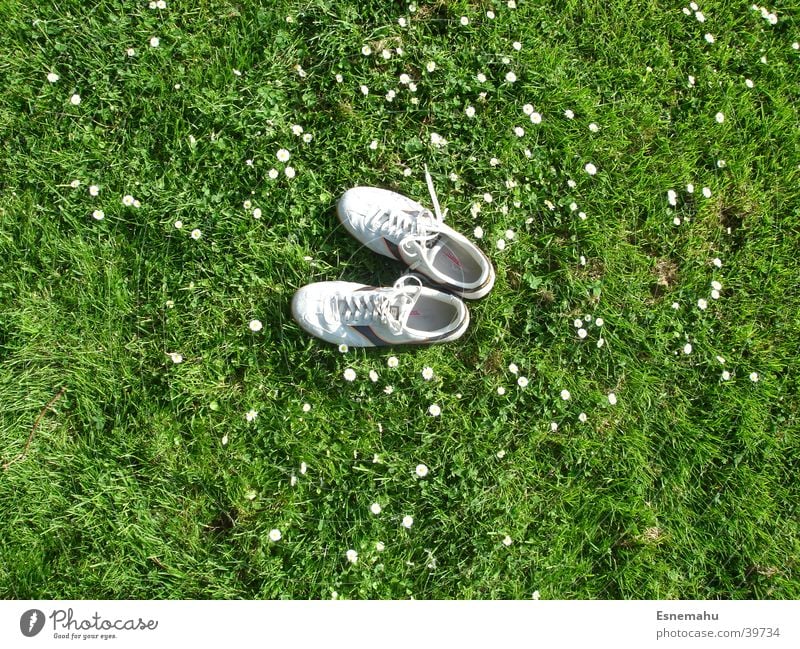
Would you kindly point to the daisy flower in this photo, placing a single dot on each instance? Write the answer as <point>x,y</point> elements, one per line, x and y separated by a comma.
<point>754,377</point>
<point>366,50</point>
<point>720,117</point>
<point>408,521</point>
<point>590,169</point>
<point>464,21</point>
<point>155,41</point>
<point>349,374</point>
<point>427,373</point>
<point>175,357</point>
<point>196,234</point>
<point>375,508</point>
<point>75,99</point>
<point>536,118</point>
<point>612,398</point>
<point>434,410</point>
<point>478,233</point>
<point>702,304</point>
<point>255,325</point>
<point>421,470</point>
<point>392,361</point>
<point>519,131</point>
<point>569,114</point>
<point>352,556</point>
<point>687,348</point>
<point>706,192</point>
<point>430,66</point>
<point>52,77</point>
<point>511,77</point>
<point>275,535</point>
<point>709,38</point>
<point>99,215</point>
<point>251,415</point>
<point>522,382</point>
<point>273,173</point>
<point>582,417</point>
<point>290,172</point>
<point>283,155</point>
<point>507,540</point>
<point>373,376</point>
<point>594,127</point>
<point>481,77</point>
<point>726,375</point>
<point>501,390</point>
<point>306,407</point>
<point>303,468</point>
<point>257,213</point>
<point>565,395</point>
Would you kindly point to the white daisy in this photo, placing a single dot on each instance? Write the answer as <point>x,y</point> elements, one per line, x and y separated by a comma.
<point>434,410</point>
<point>99,215</point>
<point>672,197</point>
<point>501,244</point>
<point>513,368</point>
<point>290,172</point>
<point>569,114</point>
<point>275,535</point>
<point>388,389</point>
<point>536,118</point>
<point>599,322</point>
<point>687,348</point>
<point>251,415</point>
<point>375,508</point>
<point>421,470</point>
<point>507,540</point>
<point>283,155</point>
<point>594,127</point>
<point>352,556</point>
<point>600,342</point>
<point>511,77</point>
<point>717,262</point>
<point>176,357</point>
<point>366,50</point>
<point>306,407</point>
<point>590,169</point>
<point>481,77</point>
<point>392,361</point>
<point>373,376</point>
<point>702,304</point>
<point>553,426</point>
<point>75,99</point>
<point>130,51</point>
<point>464,21</point>
<point>501,390</point>
<point>430,66</point>
<point>178,224</point>
<point>582,417</point>
<point>565,395</point>
<point>427,373</point>
<point>706,192</point>
<point>709,38</point>
<point>690,188</point>
<point>726,375</point>
<point>720,117</point>
<point>255,325</point>
<point>349,374</point>
<point>522,382</point>
<point>257,213</point>
<point>196,234</point>
<point>754,377</point>
<point>155,41</point>
<point>519,131</point>
<point>408,521</point>
<point>612,398</point>
<point>478,233</point>
<point>273,173</point>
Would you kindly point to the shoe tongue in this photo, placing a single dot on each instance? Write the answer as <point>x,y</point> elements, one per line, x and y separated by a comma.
<point>400,307</point>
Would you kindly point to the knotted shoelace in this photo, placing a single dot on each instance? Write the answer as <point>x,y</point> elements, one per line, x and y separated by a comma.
<point>391,308</point>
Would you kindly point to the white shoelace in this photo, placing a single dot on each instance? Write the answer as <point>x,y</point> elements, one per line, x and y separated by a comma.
<point>411,228</point>
<point>391,308</point>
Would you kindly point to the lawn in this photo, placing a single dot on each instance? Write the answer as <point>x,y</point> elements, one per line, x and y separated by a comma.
<point>628,165</point>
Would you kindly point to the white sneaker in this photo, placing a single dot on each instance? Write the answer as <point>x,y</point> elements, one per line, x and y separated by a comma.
<point>359,315</point>
<point>398,227</point>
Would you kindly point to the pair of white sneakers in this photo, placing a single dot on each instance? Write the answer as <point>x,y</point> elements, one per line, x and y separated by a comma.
<point>359,315</point>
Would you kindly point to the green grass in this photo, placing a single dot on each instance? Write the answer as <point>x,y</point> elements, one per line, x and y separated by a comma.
<point>686,488</point>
